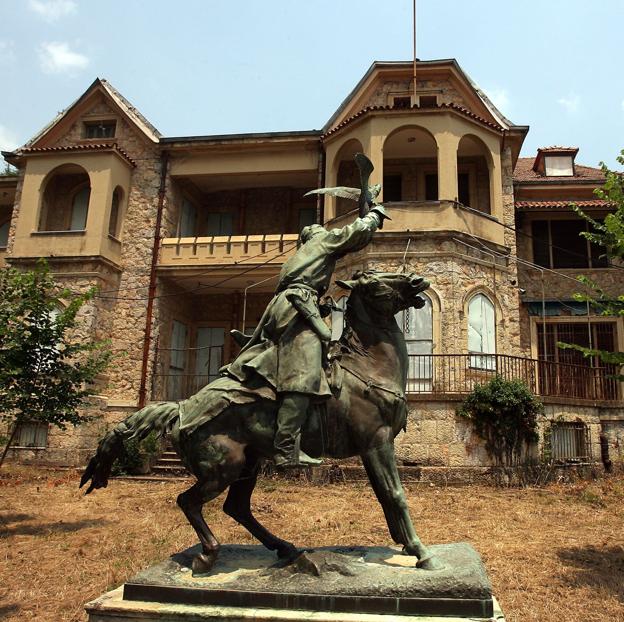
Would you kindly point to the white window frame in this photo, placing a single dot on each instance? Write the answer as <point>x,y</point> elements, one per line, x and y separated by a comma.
<point>482,332</point>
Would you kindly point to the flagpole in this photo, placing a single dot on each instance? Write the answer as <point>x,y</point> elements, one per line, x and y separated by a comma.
<point>414,37</point>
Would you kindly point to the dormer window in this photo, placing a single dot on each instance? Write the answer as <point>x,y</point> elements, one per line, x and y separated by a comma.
<point>428,101</point>
<point>100,129</point>
<point>559,166</point>
<point>402,102</point>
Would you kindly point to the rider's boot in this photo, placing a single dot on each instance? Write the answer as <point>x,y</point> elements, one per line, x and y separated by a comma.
<point>290,418</point>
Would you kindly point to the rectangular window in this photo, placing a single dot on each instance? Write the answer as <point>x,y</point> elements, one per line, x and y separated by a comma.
<point>31,435</point>
<point>559,244</point>
<point>402,102</point>
<point>428,101</point>
<point>209,354</point>
<point>100,129</point>
<point>463,188</point>
<point>560,166</point>
<point>431,187</point>
<point>307,217</point>
<point>569,441</point>
<point>4,233</point>
<point>566,372</point>
<point>219,223</point>
<point>187,227</point>
<point>392,187</point>
<point>177,361</point>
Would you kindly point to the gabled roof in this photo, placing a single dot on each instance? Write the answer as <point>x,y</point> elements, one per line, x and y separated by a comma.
<point>497,117</point>
<point>118,100</point>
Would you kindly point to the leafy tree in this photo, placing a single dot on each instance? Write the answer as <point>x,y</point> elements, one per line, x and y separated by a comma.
<point>45,371</point>
<point>610,236</point>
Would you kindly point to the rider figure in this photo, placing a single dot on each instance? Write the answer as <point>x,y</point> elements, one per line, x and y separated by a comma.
<point>288,345</point>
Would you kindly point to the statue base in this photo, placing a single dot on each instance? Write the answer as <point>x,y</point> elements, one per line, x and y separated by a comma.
<point>371,584</point>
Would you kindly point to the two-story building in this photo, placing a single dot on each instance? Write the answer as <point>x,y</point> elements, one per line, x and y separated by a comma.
<point>184,238</point>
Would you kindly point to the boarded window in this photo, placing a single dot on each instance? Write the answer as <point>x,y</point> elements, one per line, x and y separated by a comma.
<point>209,354</point>
<point>31,435</point>
<point>559,166</point>
<point>481,332</point>
<point>417,327</point>
<point>392,187</point>
<point>219,223</point>
<point>431,187</point>
<point>559,244</point>
<point>80,206</point>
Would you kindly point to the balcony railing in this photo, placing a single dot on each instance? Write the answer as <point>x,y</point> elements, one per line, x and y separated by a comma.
<point>458,374</point>
<point>228,250</point>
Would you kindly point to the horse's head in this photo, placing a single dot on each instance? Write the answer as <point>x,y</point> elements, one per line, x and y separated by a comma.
<point>384,294</point>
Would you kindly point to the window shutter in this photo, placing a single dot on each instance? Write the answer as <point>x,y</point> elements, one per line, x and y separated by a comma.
<point>80,206</point>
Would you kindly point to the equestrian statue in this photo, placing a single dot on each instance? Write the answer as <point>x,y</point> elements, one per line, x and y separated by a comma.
<point>291,396</point>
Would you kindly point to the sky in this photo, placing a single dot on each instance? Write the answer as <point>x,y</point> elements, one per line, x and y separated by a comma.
<point>196,67</point>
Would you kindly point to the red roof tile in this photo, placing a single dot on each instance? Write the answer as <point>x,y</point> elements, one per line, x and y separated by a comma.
<point>79,147</point>
<point>582,203</point>
<point>428,109</point>
<point>524,173</point>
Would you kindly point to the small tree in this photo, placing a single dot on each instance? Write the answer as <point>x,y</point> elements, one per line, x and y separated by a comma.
<point>610,236</point>
<point>45,373</point>
<point>504,414</point>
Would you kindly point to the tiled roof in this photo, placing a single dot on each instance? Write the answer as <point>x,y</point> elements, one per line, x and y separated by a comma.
<point>455,107</point>
<point>557,149</point>
<point>524,173</point>
<point>582,203</point>
<point>80,147</point>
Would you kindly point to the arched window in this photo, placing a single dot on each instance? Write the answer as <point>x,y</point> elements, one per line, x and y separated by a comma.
<point>481,332</point>
<point>80,205</point>
<point>338,318</point>
<point>417,327</point>
<point>65,200</point>
<point>115,221</point>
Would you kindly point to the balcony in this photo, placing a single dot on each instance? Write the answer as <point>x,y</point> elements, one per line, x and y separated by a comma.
<point>228,250</point>
<point>451,376</point>
<point>433,216</point>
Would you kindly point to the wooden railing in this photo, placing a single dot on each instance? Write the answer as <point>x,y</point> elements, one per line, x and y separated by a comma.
<point>458,374</point>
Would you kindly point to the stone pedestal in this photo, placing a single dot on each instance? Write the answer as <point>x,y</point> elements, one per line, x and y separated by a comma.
<point>368,584</point>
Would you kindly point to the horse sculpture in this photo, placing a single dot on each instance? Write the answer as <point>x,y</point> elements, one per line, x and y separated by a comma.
<point>223,432</point>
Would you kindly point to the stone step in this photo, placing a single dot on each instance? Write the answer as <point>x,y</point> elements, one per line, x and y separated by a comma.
<point>161,469</point>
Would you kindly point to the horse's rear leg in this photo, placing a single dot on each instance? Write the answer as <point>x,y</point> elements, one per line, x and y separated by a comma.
<point>380,465</point>
<point>238,506</point>
<point>191,502</point>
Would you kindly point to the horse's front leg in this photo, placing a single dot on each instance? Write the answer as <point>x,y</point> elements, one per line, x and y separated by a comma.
<point>380,465</point>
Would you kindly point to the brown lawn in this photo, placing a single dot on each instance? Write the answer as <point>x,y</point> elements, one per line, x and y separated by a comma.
<point>553,554</point>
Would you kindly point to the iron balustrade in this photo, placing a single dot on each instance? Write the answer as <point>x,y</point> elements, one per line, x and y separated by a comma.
<point>458,374</point>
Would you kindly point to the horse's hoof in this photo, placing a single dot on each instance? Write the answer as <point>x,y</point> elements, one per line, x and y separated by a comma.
<point>203,563</point>
<point>287,551</point>
<point>429,563</point>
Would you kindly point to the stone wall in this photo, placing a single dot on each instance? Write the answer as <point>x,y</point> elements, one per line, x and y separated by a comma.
<point>445,91</point>
<point>613,429</point>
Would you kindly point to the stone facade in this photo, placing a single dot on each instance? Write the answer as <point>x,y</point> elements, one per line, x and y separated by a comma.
<point>463,250</point>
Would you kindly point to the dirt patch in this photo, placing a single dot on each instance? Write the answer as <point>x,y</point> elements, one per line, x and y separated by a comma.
<point>553,554</point>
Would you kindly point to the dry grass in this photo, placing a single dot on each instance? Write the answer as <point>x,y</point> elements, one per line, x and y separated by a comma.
<point>553,554</point>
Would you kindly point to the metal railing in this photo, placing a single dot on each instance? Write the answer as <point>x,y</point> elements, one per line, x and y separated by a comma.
<point>458,374</point>
<point>448,374</point>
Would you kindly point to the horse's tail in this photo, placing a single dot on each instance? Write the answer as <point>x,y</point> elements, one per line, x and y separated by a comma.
<point>156,418</point>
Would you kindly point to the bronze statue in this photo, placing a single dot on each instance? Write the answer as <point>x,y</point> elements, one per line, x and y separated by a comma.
<point>260,407</point>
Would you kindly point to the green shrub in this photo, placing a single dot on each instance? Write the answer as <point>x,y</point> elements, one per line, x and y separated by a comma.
<point>137,456</point>
<point>504,414</point>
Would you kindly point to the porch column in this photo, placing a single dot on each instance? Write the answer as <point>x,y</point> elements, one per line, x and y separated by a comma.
<point>447,166</point>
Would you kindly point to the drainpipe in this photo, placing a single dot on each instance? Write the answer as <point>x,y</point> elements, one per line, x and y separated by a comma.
<point>164,160</point>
